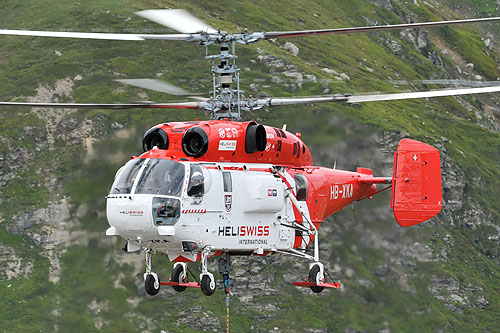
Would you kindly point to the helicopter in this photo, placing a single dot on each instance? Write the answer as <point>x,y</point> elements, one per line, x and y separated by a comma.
<point>223,187</point>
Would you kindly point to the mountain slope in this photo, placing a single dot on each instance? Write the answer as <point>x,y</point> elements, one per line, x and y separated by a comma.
<point>60,272</point>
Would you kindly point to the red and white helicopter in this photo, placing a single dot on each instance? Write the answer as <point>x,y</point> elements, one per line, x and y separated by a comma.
<point>221,186</point>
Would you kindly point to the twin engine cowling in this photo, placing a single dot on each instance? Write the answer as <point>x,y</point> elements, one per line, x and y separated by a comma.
<point>226,141</point>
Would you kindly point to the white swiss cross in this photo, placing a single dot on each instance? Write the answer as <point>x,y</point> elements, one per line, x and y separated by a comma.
<point>415,157</point>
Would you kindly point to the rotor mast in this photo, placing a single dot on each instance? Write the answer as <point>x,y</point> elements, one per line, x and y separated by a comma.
<point>225,99</point>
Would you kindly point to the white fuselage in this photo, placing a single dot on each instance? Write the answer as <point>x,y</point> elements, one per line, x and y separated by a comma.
<point>240,208</point>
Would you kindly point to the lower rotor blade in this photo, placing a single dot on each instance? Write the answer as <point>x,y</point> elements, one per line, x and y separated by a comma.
<point>421,94</point>
<point>464,83</point>
<point>185,105</point>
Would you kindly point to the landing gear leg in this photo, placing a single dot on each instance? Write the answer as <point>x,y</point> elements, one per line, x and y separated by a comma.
<point>316,275</point>
<point>207,280</point>
<point>316,269</point>
<point>179,275</point>
<point>151,281</point>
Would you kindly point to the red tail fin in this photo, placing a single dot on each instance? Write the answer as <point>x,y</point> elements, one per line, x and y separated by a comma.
<point>416,182</point>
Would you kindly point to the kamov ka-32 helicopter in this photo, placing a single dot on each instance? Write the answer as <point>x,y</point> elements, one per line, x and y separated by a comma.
<point>209,188</point>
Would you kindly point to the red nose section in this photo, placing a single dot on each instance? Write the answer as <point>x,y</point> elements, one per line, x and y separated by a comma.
<point>417,194</point>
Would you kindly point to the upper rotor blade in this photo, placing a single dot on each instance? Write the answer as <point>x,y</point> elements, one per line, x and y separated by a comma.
<point>274,34</point>
<point>94,35</point>
<point>160,86</point>
<point>177,19</point>
<point>306,100</point>
<point>184,105</point>
<point>421,94</point>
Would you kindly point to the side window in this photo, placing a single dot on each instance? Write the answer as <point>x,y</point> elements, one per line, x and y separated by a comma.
<point>196,186</point>
<point>301,186</point>
<point>228,185</point>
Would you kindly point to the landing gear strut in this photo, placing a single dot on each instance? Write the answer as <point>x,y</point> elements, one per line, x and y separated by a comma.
<point>316,280</point>
<point>316,276</point>
<point>151,281</point>
<point>179,275</point>
<point>207,280</point>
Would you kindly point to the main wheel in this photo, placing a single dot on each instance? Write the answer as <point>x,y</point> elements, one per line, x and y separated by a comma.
<point>152,287</point>
<point>313,274</point>
<point>178,276</point>
<point>207,285</point>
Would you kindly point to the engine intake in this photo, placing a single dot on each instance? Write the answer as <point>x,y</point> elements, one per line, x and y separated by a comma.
<point>155,137</point>
<point>195,142</point>
<point>255,138</point>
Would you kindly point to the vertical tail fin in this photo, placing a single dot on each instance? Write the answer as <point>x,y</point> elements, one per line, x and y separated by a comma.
<point>416,183</point>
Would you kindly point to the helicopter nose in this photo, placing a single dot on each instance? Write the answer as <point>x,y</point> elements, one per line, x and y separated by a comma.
<point>129,216</point>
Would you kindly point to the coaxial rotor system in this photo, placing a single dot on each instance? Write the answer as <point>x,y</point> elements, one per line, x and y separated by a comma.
<point>226,99</point>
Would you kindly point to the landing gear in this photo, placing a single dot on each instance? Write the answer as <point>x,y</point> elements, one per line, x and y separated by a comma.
<point>207,285</point>
<point>151,281</point>
<point>207,279</point>
<point>179,275</point>
<point>316,276</point>
<point>151,285</point>
<point>316,280</point>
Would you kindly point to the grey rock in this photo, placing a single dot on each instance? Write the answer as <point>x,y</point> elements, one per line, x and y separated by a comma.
<point>292,48</point>
<point>394,46</point>
<point>382,3</point>
<point>417,37</point>
<point>199,319</point>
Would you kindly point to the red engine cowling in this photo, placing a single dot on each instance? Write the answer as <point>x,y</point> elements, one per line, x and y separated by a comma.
<point>226,141</point>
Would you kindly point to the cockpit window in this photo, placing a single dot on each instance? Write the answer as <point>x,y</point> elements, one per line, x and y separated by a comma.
<point>161,177</point>
<point>126,178</point>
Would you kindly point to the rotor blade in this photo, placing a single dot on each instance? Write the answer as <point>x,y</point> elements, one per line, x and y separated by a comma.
<point>376,97</point>
<point>307,100</point>
<point>468,83</point>
<point>94,35</point>
<point>274,34</point>
<point>184,105</point>
<point>421,94</point>
<point>177,19</point>
<point>161,86</point>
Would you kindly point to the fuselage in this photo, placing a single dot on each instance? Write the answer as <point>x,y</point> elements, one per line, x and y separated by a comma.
<point>229,199</point>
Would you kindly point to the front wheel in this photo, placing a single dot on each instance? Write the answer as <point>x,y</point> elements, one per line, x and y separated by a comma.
<point>207,285</point>
<point>178,276</point>
<point>152,287</point>
<point>313,274</point>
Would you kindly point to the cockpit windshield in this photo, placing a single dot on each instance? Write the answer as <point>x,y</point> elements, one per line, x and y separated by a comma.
<point>126,178</point>
<point>161,177</point>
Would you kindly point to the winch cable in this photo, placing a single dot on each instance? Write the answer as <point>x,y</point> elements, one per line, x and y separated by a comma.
<point>227,285</point>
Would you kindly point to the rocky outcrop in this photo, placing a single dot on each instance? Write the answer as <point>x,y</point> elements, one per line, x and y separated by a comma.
<point>457,296</point>
<point>13,266</point>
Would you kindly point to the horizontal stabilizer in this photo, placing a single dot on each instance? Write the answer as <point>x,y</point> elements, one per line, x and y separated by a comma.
<point>416,182</point>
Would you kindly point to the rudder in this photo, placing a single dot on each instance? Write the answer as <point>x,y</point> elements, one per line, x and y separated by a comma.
<point>416,183</point>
